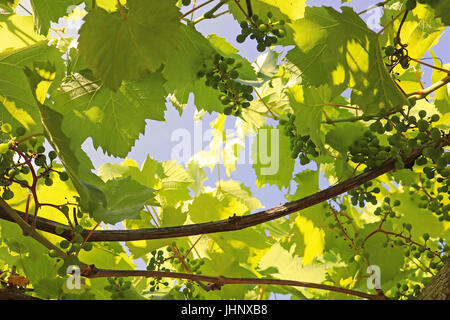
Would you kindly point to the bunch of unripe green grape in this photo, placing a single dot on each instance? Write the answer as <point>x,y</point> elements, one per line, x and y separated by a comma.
<point>387,208</point>
<point>362,194</point>
<point>155,264</point>
<point>221,74</point>
<point>265,31</point>
<point>407,291</point>
<point>369,150</point>
<point>117,287</point>
<point>430,200</point>
<point>301,146</point>
<point>72,247</point>
<point>11,171</point>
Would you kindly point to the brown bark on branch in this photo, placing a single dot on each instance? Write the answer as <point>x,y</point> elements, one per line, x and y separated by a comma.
<point>15,294</point>
<point>439,286</point>
<point>217,282</point>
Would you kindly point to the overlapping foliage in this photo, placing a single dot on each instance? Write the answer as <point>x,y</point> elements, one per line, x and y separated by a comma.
<point>132,56</point>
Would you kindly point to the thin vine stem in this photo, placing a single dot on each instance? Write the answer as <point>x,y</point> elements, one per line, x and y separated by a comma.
<point>195,8</point>
<point>216,283</point>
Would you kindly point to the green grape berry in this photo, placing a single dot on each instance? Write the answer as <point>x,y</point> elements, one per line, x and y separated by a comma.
<point>25,170</point>
<point>63,176</point>
<point>78,238</point>
<point>20,131</point>
<point>12,172</point>
<point>79,228</point>
<point>48,182</point>
<point>52,155</point>
<point>88,246</point>
<point>422,125</point>
<point>64,244</point>
<point>4,147</point>
<point>240,38</point>
<point>40,149</point>
<point>7,194</point>
<point>389,51</point>
<point>59,230</point>
<point>40,160</point>
<point>53,253</point>
<point>411,4</point>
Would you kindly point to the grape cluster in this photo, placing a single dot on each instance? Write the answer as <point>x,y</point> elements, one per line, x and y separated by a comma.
<point>221,74</point>
<point>387,208</point>
<point>429,200</point>
<point>266,32</point>
<point>369,151</point>
<point>407,291</point>
<point>299,145</point>
<point>193,264</point>
<point>72,247</point>
<point>117,288</point>
<point>360,195</point>
<point>155,264</point>
<point>27,151</point>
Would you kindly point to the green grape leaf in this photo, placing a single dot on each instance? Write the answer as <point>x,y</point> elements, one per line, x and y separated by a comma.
<point>19,105</point>
<point>275,165</point>
<point>46,11</point>
<point>229,188</point>
<point>308,103</point>
<point>441,95</point>
<point>422,220</point>
<point>146,175</point>
<point>77,165</point>
<point>341,50</point>
<point>125,198</point>
<point>85,102</point>
<point>307,184</point>
<point>121,48</point>
<point>17,32</point>
<point>343,135</point>
<point>182,66</point>
<point>206,208</point>
<point>388,259</point>
<point>171,217</point>
<point>206,98</point>
<point>198,175</point>
<point>441,9</point>
<point>290,267</point>
<point>174,185</point>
